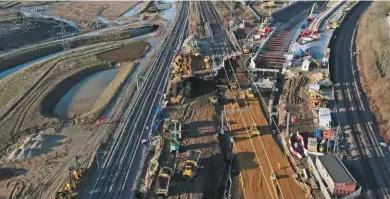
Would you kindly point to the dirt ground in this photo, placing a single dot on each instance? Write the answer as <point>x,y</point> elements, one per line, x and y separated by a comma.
<point>194,19</point>
<point>125,53</point>
<point>24,32</point>
<point>46,172</point>
<point>201,135</point>
<point>267,8</point>
<point>84,12</point>
<point>258,154</point>
<point>239,11</point>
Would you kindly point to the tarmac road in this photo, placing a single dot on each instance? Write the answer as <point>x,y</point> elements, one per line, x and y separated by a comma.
<point>373,173</point>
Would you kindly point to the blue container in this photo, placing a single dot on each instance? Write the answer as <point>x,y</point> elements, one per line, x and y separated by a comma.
<point>319,133</point>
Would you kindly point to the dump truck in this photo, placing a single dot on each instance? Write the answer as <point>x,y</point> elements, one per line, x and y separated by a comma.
<point>163,180</point>
<point>192,164</point>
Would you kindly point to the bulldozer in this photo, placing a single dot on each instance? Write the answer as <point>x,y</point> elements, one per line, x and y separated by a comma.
<point>254,130</point>
<point>192,163</point>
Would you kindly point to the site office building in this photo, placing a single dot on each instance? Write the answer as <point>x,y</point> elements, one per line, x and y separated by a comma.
<point>335,175</point>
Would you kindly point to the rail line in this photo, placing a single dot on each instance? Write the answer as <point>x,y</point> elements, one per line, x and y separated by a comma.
<point>360,146</point>
<point>119,164</point>
<point>210,15</point>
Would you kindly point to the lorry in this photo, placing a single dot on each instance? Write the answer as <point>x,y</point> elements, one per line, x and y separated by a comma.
<point>163,180</point>
<point>192,163</point>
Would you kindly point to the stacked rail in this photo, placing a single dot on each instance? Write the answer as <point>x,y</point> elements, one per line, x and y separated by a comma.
<point>121,166</point>
<point>273,51</point>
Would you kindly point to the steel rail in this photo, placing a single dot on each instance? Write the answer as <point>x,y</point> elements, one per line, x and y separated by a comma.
<point>118,164</point>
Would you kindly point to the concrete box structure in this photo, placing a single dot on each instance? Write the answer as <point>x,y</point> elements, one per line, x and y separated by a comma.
<point>335,175</point>
<point>324,117</point>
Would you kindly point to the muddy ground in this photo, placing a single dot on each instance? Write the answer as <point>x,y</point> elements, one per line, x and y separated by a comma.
<point>12,60</point>
<point>83,13</point>
<point>27,118</point>
<point>125,53</point>
<point>25,31</point>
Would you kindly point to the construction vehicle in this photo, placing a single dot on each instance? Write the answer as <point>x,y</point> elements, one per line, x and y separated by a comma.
<point>265,21</point>
<point>246,49</point>
<point>195,48</point>
<point>176,128</point>
<point>69,188</point>
<point>249,93</point>
<point>213,99</point>
<point>192,163</point>
<point>316,62</point>
<point>163,181</point>
<point>182,65</point>
<point>166,125</point>
<point>206,63</point>
<point>253,129</point>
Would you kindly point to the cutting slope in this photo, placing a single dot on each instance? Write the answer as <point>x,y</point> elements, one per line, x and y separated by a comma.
<point>261,153</point>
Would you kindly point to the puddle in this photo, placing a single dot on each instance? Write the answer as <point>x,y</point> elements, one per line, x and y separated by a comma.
<point>16,68</point>
<point>81,97</point>
<point>132,11</point>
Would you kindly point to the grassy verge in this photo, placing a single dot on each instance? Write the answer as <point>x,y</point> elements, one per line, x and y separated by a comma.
<point>373,50</point>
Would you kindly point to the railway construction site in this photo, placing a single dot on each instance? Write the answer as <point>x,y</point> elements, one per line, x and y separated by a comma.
<point>159,100</point>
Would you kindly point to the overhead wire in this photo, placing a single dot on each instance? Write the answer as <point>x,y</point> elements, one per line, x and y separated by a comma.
<point>253,121</point>
<point>250,139</point>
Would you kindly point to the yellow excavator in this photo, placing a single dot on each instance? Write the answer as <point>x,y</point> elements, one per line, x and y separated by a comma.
<point>192,163</point>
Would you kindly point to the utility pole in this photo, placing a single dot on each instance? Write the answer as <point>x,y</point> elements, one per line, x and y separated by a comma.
<point>223,114</point>
<point>65,43</point>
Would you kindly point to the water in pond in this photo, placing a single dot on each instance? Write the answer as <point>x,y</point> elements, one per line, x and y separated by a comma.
<point>16,68</point>
<point>82,96</point>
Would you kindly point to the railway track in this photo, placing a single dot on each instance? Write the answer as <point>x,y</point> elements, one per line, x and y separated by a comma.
<point>359,117</point>
<point>358,133</point>
<point>121,165</point>
<point>221,42</point>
